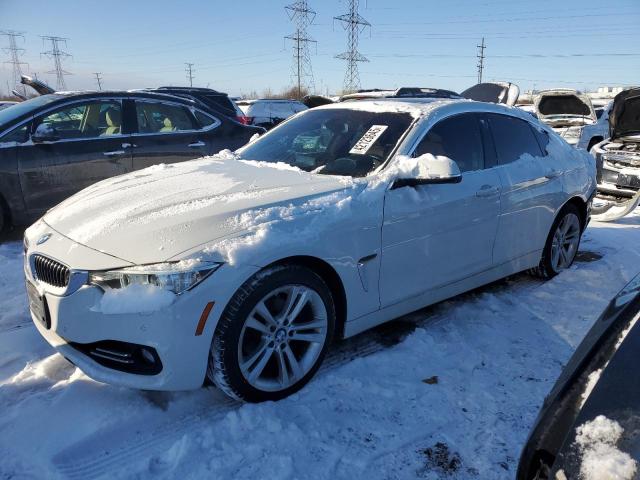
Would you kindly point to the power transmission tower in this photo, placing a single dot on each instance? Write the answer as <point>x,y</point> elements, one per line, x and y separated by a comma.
<point>189,70</point>
<point>302,16</point>
<point>57,55</point>
<point>481,60</point>
<point>353,23</point>
<point>14,53</point>
<point>98,79</point>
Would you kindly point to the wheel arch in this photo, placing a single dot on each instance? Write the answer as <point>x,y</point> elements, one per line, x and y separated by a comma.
<point>330,276</point>
<point>594,141</point>
<point>581,205</point>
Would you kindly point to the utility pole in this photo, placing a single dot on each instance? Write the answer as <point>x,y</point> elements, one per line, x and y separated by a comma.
<point>353,23</point>
<point>302,16</point>
<point>57,55</point>
<point>189,70</point>
<point>481,60</point>
<point>14,53</point>
<point>98,79</point>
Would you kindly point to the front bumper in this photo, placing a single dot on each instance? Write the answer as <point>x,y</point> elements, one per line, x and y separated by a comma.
<point>619,182</point>
<point>75,325</point>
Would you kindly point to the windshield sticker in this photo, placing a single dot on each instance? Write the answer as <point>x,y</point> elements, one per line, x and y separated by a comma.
<point>363,145</point>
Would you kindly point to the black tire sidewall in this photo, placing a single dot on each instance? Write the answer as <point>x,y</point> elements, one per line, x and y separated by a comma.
<point>230,326</point>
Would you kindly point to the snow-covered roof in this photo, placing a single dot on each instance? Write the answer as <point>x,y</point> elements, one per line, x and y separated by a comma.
<point>417,107</point>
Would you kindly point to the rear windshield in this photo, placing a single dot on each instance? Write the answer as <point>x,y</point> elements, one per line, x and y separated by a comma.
<point>333,141</point>
<point>23,108</point>
<point>563,105</point>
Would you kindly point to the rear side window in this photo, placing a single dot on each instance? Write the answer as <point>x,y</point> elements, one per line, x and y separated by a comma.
<point>513,138</point>
<point>458,138</point>
<point>543,139</point>
<point>204,120</point>
<point>155,117</point>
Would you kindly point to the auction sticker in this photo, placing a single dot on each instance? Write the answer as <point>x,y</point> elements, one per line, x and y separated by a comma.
<point>363,145</point>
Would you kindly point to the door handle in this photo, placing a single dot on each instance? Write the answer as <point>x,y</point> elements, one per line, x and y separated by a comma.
<point>115,153</point>
<point>129,145</point>
<point>487,191</point>
<point>196,144</point>
<point>553,174</point>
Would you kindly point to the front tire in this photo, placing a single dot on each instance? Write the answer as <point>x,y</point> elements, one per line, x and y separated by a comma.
<point>273,335</point>
<point>562,243</point>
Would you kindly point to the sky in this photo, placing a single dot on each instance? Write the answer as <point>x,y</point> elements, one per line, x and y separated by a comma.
<point>239,46</point>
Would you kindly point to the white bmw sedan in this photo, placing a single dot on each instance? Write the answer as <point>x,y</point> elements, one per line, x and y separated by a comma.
<point>244,267</point>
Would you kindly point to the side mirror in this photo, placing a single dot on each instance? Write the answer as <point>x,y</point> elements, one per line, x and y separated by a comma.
<point>426,169</point>
<point>45,133</point>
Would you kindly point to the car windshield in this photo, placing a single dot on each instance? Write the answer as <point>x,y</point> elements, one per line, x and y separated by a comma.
<point>16,111</point>
<point>333,141</point>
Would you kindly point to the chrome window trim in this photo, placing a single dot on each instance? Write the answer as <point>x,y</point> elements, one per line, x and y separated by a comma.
<point>217,122</point>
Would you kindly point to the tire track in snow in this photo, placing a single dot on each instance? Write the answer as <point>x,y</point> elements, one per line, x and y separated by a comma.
<point>106,451</point>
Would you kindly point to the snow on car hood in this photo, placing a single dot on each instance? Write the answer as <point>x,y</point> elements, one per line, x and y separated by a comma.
<point>564,108</point>
<point>154,214</point>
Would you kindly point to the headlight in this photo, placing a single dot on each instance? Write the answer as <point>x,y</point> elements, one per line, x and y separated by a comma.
<point>573,132</point>
<point>176,277</point>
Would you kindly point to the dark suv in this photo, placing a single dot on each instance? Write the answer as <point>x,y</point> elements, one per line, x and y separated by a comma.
<point>55,145</point>
<point>216,101</point>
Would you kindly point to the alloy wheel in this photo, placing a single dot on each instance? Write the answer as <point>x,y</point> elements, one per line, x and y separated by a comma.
<point>282,337</point>
<point>565,242</point>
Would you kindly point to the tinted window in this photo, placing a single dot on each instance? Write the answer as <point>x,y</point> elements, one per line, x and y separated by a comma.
<point>513,138</point>
<point>563,105</point>
<point>17,135</point>
<point>204,120</point>
<point>86,120</point>
<point>543,138</point>
<point>26,107</point>
<point>155,117</point>
<point>332,141</point>
<point>458,138</point>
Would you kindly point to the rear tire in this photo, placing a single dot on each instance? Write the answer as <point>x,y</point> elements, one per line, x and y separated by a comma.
<point>562,243</point>
<point>273,335</point>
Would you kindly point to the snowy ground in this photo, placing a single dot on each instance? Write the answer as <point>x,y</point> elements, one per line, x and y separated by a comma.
<point>450,392</point>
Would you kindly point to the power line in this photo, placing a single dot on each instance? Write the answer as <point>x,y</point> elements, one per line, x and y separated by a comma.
<point>57,55</point>
<point>302,16</point>
<point>98,79</point>
<point>189,70</point>
<point>481,48</point>
<point>14,53</point>
<point>353,23</point>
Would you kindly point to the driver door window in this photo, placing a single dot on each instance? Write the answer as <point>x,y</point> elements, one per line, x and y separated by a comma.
<point>86,120</point>
<point>458,138</point>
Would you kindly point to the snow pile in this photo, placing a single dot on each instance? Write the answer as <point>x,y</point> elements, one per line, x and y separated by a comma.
<point>601,460</point>
<point>136,298</point>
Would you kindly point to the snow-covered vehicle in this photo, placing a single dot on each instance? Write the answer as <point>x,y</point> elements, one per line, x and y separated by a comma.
<point>243,267</point>
<point>588,426</point>
<point>618,159</point>
<point>569,113</point>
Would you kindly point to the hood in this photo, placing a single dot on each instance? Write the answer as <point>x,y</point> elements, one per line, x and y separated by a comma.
<point>624,118</point>
<point>158,213</point>
<point>39,86</point>
<point>564,106</point>
<point>495,92</point>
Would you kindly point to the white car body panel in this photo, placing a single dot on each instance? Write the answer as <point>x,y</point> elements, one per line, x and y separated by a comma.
<point>372,236</point>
